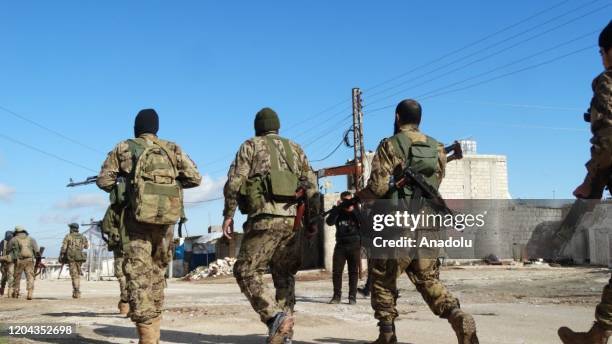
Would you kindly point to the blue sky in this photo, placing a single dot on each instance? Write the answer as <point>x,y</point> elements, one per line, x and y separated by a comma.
<point>84,69</point>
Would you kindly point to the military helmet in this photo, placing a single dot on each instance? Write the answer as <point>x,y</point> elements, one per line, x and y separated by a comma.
<point>74,227</point>
<point>266,120</point>
<point>20,229</point>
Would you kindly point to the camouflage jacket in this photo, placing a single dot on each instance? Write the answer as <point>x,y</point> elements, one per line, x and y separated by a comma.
<point>23,243</point>
<point>388,163</point>
<point>253,158</point>
<point>601,126</point>
<point>119,162</point>
<point>74,241</point>
<point>601,103</point>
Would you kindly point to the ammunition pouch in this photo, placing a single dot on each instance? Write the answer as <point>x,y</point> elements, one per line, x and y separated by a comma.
<point>252,195</point>
<point>118,195</point>
<point>6,259</point>
<point>111,227</point>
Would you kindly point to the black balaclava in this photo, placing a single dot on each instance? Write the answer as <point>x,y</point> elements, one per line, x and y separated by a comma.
<point>605,37</point>
<point>147,122</point>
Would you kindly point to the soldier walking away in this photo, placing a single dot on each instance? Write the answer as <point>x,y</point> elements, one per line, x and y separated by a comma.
<point>410,147</point>
<point>599,170</point>
<point>24,250</point>
<point>7,268</point>
<point>72,254</point>
<point>347,249</point>
<point>262,182</point>
<point>154,173</point>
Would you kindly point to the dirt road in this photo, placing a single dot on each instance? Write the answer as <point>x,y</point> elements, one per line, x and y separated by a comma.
<point>511,306</point>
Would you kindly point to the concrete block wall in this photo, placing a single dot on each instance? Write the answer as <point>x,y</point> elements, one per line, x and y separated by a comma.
<point>476,177</point>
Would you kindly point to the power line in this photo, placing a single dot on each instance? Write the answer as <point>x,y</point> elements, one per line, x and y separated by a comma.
<point>334,150</point>
<point>54,132</point>
<point>57,157</point>
<point>469,45</point>
<point>205,201</point>
<point>479,59</point>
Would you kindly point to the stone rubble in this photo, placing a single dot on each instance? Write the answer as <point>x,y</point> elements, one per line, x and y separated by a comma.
<point>221,267</point>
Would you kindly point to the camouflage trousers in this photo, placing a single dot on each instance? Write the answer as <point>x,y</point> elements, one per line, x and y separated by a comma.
<point>269,243</point>
<point>146,257</point>
<point>75,274</point>
<point>603,312</point>
<point>424,274</point>
<point>118,267</point>
<point>7,270</point>
<point>24,266</point>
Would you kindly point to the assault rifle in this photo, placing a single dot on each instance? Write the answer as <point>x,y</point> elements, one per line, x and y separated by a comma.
<point>88,180</point>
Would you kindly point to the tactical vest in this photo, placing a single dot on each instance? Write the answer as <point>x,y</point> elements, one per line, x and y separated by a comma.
<point>22,247</point>
<point>155,196</point>
<point>276,186</point>
<point>75,246</point>
<point>422,157</point>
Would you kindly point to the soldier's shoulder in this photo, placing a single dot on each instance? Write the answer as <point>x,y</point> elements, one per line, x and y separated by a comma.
<point>296,146</point>
<point>604,78</point>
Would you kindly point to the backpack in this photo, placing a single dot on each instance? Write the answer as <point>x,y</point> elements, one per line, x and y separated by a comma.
<point>278,185</point>
<point>74,251</point>
<point>22,247</point>
<point>155,197</point>
<point>422,157</point>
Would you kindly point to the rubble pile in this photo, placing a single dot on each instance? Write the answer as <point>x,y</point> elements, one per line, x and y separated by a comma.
<point>221,267</point>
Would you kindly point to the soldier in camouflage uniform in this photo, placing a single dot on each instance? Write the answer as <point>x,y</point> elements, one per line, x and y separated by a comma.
<point>148,247</point>
<point>598,175</point>
<point>6,264</point>
<point>388,162</point>
<point>24,253</point>
<point>72,254</point>
<point>270,240</point>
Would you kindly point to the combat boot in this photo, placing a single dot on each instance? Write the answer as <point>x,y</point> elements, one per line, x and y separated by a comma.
<point>30,294</point>
<point>15,294</point>
<point>596,335</point>
<point>146,333</point>
<point>335,299</point>
<point>464,326</point>
<point>1,291</point>
<point>280,329</point>
<point>76,294</point>
<point>9,292</point>
<point>386,334</point>
<point>124,307</point>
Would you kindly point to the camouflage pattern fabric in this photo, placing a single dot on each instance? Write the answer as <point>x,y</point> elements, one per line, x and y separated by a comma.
<point>423,273</point>
<point>253,158</point>
<point>26,266</point>
<point>146,258</point>
<point>269,242</point>
<point>600,164</point>
<point>148,252</point>
<point>118,267</point>
<point>119,162</point>
<point>387,162</point>
<point>75,274</point>
<point>23,246</point>
<point>601,127</point>
<point>7,270</point>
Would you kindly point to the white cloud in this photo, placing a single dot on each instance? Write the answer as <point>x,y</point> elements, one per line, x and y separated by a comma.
<point>83,201</point>
<point>57,218</point>
<point>6,193</point>
<point>209,189</point>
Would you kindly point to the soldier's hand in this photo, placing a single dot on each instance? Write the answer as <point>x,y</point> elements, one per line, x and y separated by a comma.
<point>583,190</point>
<point>228,227</point>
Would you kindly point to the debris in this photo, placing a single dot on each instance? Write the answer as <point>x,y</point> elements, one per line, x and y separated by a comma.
<point>221,267</point>
<point>492,260</point>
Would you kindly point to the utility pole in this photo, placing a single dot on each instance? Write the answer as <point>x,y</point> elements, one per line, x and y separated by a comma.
<point>358,145</point>
<point>353,168</point>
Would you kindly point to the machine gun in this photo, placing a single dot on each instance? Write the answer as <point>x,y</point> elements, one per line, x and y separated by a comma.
<point>88,180</point>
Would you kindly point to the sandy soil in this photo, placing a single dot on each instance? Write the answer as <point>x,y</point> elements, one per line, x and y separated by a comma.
<point>511,305</point>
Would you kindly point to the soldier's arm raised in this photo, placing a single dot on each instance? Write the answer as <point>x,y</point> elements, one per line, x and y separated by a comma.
<point>189,176</point>
<point>109,171</point>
